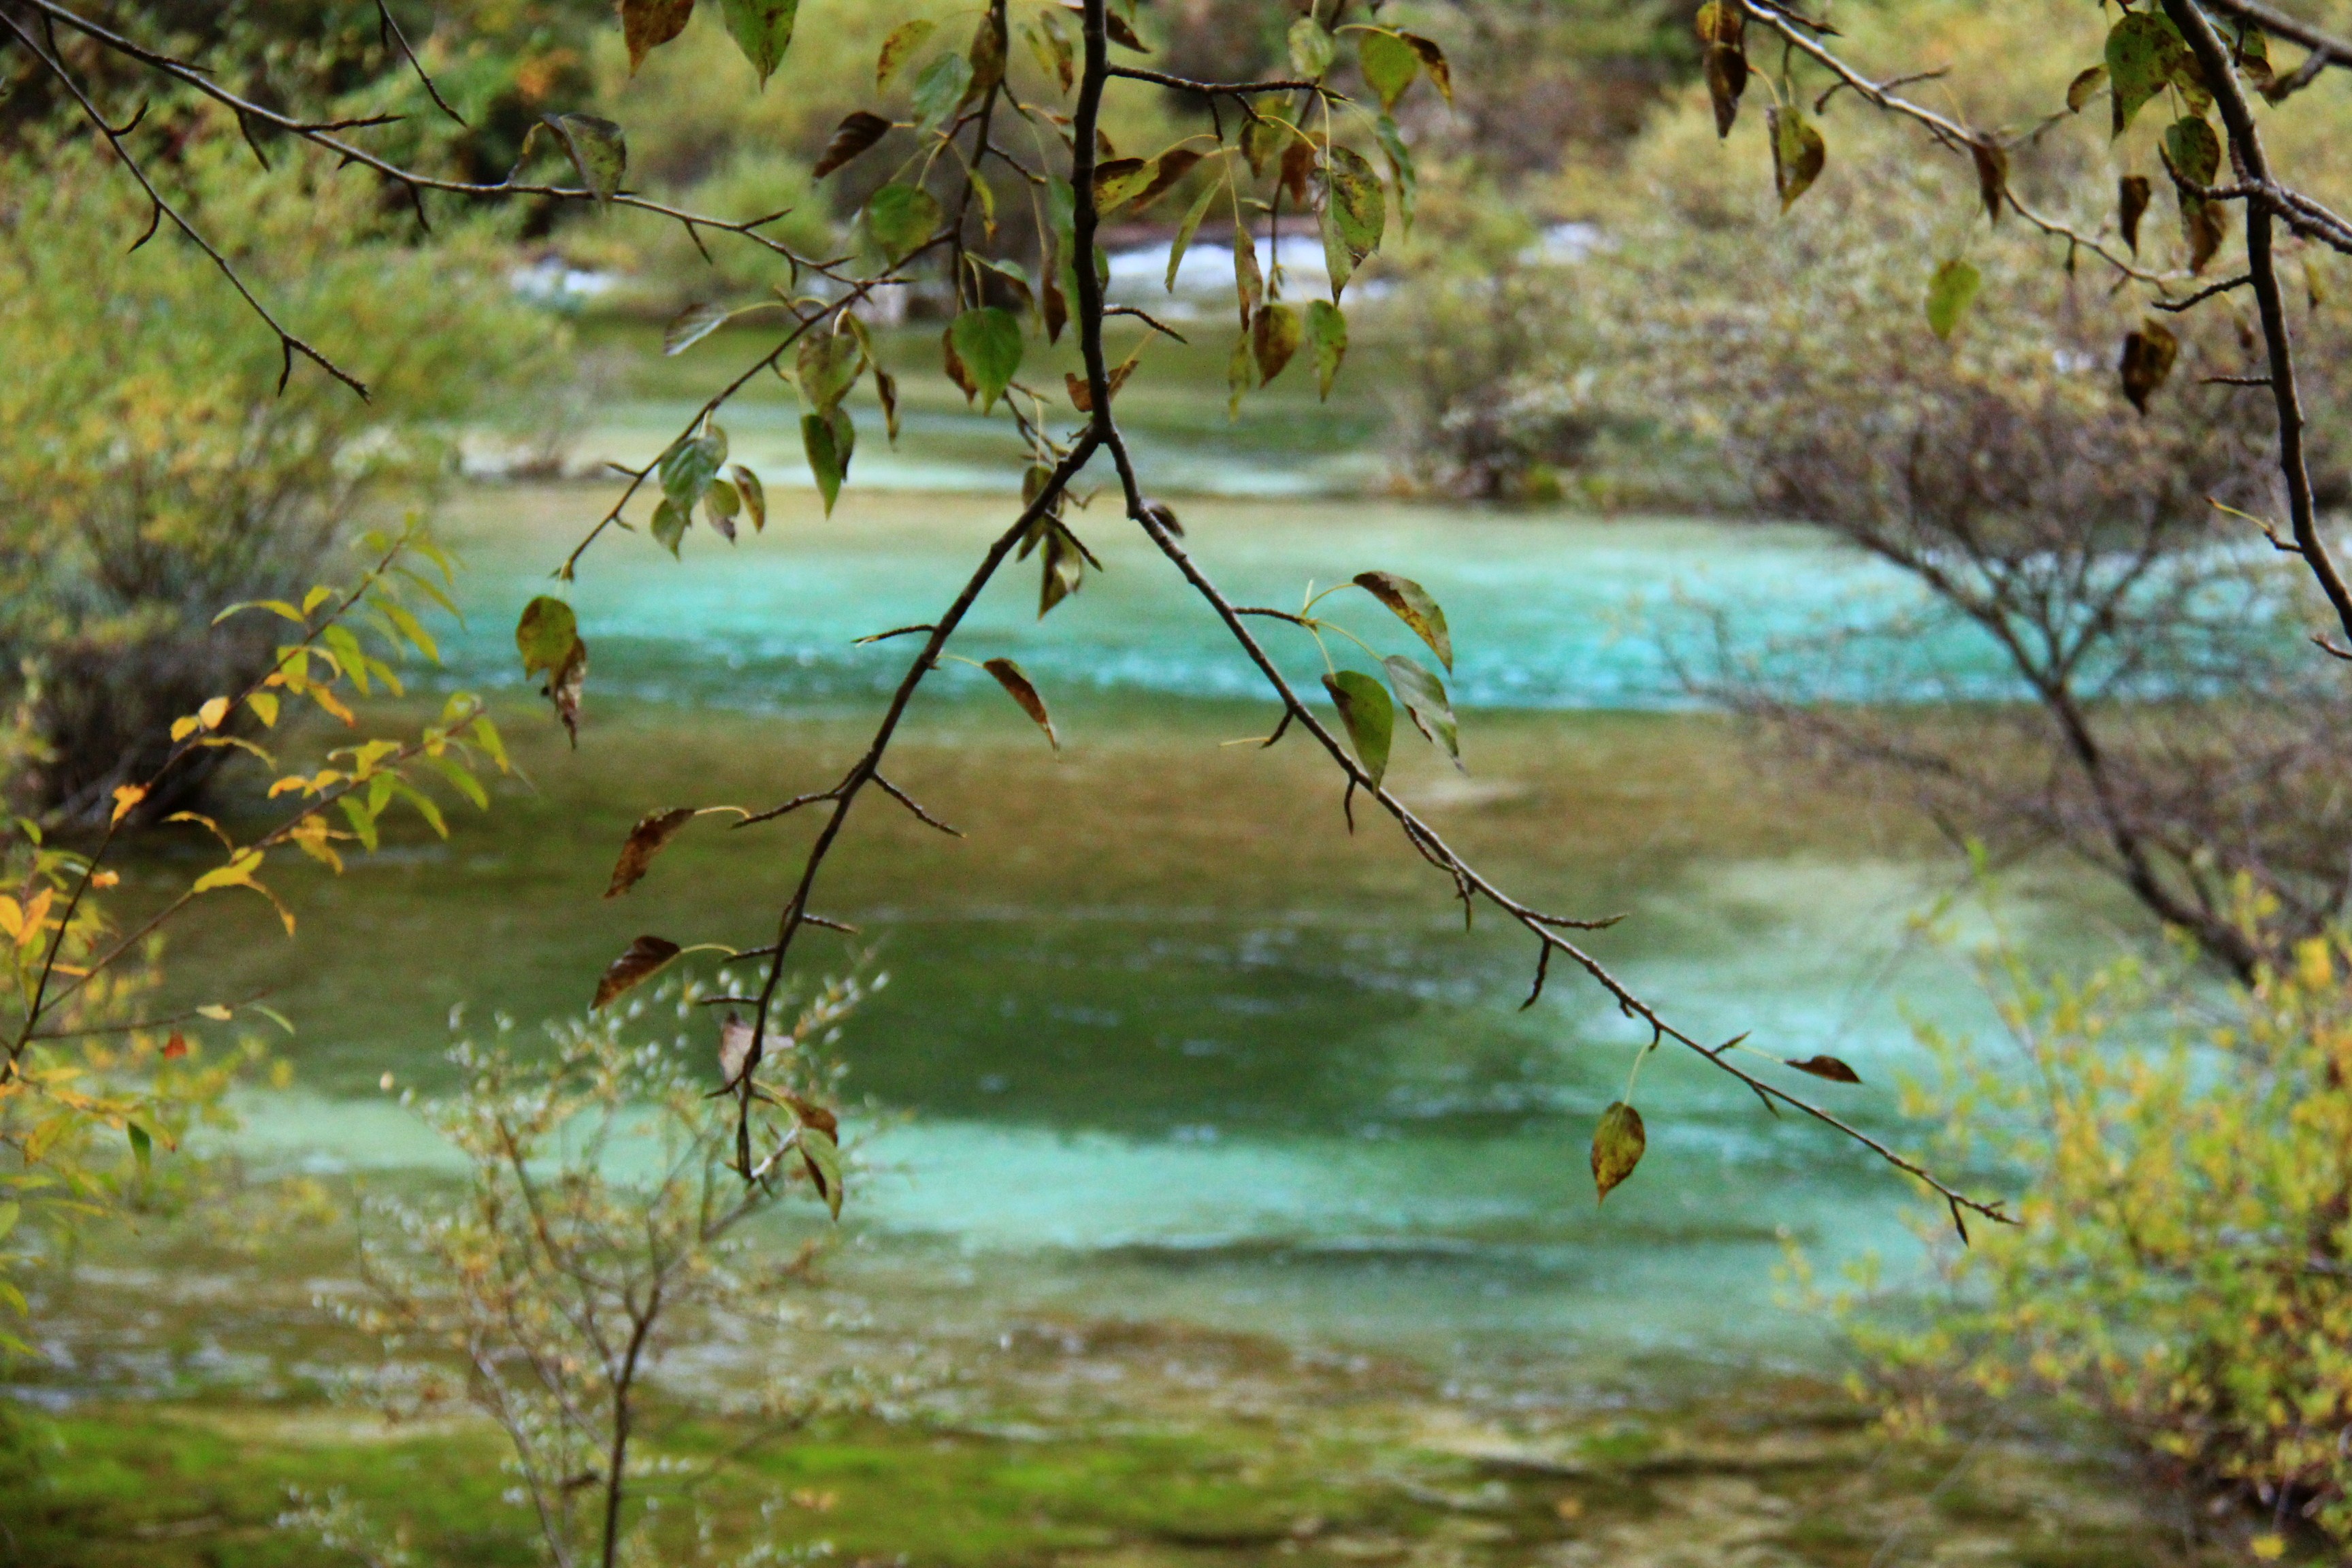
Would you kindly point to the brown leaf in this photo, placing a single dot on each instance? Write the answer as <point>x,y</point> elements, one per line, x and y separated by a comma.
<point>955,366</point>
<point>1164,516</point>
<point>811,1114</point>
<point>1117,28</point>
<point>1433,60</point>
<point>2084,87</point>
<point>646,957</point>
<point>1167,169</point>
<point>1082,395</point>
<point>2133,191</point>
<point>1297,168</point>
<point>857,132</point>
<point>1009,676</point>
<point>647,24</point>
<point>1829,1067</point>
<point>2147,360</point>
<point>1992,175</point>
<point>1617,1147</point>
<point>1274,336</point>
<point>652,830</point>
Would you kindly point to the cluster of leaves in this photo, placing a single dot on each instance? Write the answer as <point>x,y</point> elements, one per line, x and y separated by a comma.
<point>90,1053</point>
<point>599,1223</point>
<point>2182,1267</point>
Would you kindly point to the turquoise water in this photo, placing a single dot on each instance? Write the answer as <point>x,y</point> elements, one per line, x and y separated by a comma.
<point>1270,1107</point>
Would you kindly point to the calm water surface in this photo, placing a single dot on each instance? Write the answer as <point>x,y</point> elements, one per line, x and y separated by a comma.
<point>1261,1103</point>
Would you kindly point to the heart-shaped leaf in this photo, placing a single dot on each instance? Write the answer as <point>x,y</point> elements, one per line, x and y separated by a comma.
<point>899,218</point>
<point>598,151</point>
<point>762,29</point>
<point>1617,1147</point>
<point>647,24</point>
<point>988,341</point>
<point>901,46</point>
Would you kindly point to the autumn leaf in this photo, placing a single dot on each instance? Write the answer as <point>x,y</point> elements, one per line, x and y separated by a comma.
<point>1617,1147</point>
<point>645,957</point>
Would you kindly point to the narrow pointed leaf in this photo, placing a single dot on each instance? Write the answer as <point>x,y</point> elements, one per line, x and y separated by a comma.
<point>1829,1067</point>
<point>857,132</point>
<point>1327,336</point>
<point>1425,702</point>
<point>654,830</point>
<point>1410,603</point>
<point>1010,676</point>
<point>1370,718</point>
<point>644,958</point>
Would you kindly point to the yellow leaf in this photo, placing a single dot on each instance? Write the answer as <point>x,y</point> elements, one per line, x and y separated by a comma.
<point>103,879</point>
<point>12,917</point>
<point>36,914</point>
<point>327,700</point>
<point>2269,1548</point>
<point>126,798</point>
<point>182,728</point>
<point>214,710</point>
<point>237,873</point>
<point>215,1012</point>
<point>265,707</point>
<point>311,835</point>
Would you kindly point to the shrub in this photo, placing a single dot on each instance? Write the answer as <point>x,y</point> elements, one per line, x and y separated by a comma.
<point>151,472</point>
<point>2182,1267</point>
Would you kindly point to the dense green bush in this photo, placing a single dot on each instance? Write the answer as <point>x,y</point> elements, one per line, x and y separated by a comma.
<point>152,470</point>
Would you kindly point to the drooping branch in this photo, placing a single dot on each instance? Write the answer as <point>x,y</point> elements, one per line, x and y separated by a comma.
<point>2221,73</point>
<point>1470,883</point>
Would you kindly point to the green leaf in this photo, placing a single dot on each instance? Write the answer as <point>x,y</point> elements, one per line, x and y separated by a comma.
<point>1049,41</point>
<point>1388,62</point>
<point>1410,603</point>
<point>362,820</point>
<point>1354,216</point>
<point>1950,294</point>
<point>1364,706</point>
<point>857,132</point>
<point>2144,51</point>
<point>1617,1146</point>
<point>899,218</point>
<point>1239,367</point>
<point>8,1217</point>
<point>903,41</point>
<point>546,636</point>
<point>828,366</point>
<point>1311,47</point>
<point>2192,149</point>
<point>1275,335</point>
<point>762,29</point>
<point>1018,685</point>
<point>1797,153</point>
<point>647,24</point>
<point>1187,229</point>
<point>822,1157</point>
<point>988,50</point>
<point>1327,335</point>
<point>686,469</point>
<point>988,341</point>
<point>670,522</point>
<point>824,458</point>
<point>1424,700</point>
<point>1402,171</point>
<point>720,503</point>
<point>143,1147</point>
<point>939,92</point>
<point>598,151</point>
<point>644,958</point>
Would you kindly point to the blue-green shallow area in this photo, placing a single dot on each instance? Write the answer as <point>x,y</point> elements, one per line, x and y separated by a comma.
<point>1162,1040</point>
